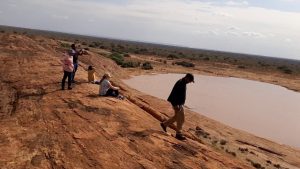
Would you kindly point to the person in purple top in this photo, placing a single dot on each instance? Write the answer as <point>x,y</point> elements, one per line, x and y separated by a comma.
<point>75,53</point>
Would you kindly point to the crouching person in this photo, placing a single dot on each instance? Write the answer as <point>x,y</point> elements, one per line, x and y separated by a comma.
<point>91,74</point>
<point>107,89</point>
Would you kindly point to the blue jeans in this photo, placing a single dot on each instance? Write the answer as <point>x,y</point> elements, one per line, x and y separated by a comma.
<point>75,69</point>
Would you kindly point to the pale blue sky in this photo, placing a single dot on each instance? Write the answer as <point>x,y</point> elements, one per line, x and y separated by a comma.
<point>264,27</point>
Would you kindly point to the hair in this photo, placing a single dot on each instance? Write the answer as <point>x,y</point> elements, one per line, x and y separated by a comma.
<point>73,45</point>
<point>90,67</point>
<point>103,77</point>
<point>190,76</point>
<point>106,75</point>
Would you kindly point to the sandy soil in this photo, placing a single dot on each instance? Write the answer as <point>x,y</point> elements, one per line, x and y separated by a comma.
<point>44,127</point>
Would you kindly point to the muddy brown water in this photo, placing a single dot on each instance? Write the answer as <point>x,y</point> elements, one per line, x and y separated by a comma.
<point>266,110</point>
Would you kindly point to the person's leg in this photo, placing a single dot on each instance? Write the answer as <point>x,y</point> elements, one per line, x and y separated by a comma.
<point>172,119</point>
<point>109,92</point>
<point>112,92</point>
<point>74,72</point>
<point>179,119</point>
<point>116,93</point>
<point>69,80</point>
<point>64,80</point>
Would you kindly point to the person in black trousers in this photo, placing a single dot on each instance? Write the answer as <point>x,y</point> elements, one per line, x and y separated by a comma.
<point>68,67</point>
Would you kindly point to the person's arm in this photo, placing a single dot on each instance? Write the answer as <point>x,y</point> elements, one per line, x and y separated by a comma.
<point>80,52</point>
<point>113,87</point>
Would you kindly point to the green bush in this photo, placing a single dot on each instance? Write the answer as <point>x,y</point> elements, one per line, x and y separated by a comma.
<point>185,64</point>
<point>130,64</point>
<point>277,165</point>
<point>118,58</point>
<point>243,150</point>
<point>223,142</point>
<point>231,152</point>
<point>172,56</point>
<point>255,165</point>
<point>241,67</point>
<point>144,50</point>
<point>126,55</point>
<point>147,66</point>
<point>92,45</point>
<point>120,46</point>
<point>206,58</point>
<point>285,69</point>
<point>65,45</point>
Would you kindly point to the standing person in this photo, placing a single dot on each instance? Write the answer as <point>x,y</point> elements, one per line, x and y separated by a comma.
<point>107,89</point>
<point>177,99</point>
<point>68,68</point>
<point>75,53</point>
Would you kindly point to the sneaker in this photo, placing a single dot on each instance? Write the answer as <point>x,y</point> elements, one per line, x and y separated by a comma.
<point>163,127</point>
<point>62,88</point>
<point>179,136</point>
<point>120,97</point>
<point>69,88</point>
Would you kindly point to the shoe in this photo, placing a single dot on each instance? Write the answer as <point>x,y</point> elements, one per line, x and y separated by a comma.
<point>163,127</point>
<point>179,136</point>
<point>120,97</point>
<point>69,88</point>
<point>73,81</point>
<point>62,88</point>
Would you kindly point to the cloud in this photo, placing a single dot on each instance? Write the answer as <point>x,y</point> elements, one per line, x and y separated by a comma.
<point>254,34</point>
<point>12,5</point>
<point>91,20</point>
<point>233,33</point>
<point>237,3</point>
<point>288,40</point>
<point>184,22</point>
<point>290,0</point>
<point>222,14</point>
<point>63,17</point>
<point>213,32</point>
<point>234,28</point>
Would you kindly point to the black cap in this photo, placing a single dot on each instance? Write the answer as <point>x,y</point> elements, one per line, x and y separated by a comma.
<point>190,76</point>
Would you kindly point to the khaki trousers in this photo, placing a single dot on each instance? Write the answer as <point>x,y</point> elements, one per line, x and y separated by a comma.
<point>178,117</point>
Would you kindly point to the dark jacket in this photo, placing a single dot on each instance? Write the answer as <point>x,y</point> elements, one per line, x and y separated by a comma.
<point>177,96</point>
<point>74,53</point>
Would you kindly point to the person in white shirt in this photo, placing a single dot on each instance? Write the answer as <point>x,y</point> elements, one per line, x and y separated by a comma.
<point>106,88</point>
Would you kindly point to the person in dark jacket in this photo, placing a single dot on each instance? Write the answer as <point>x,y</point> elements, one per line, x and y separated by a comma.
<point>177,99</point>
<point>75,53</point>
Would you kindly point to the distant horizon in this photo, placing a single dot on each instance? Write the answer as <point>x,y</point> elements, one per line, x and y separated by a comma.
<point>155,43</point>
<point>254,27</point>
